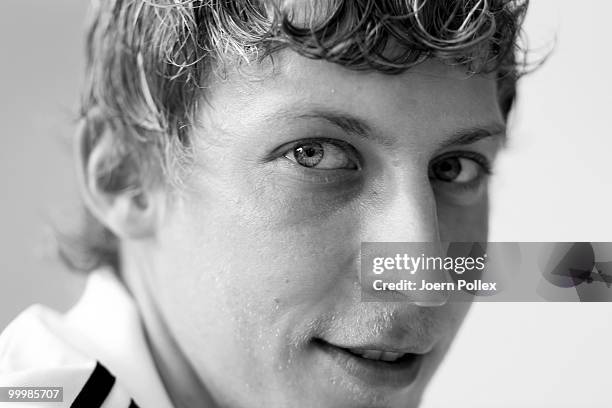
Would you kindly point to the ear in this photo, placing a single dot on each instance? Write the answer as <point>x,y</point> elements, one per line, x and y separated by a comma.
<point>111,184</point>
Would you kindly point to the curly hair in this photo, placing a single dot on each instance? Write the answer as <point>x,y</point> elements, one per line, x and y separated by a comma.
<point>148,62</point>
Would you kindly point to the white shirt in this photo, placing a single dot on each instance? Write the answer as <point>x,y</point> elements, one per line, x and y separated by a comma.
<point>96,351</point>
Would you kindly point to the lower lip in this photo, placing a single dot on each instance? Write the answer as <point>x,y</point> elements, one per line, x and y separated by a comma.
<point>375,373</point>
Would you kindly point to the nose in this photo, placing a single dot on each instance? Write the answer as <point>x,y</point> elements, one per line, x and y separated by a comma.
<point>405,211</point>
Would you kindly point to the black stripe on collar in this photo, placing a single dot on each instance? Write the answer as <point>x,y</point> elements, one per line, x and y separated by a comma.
<point>96,388</point>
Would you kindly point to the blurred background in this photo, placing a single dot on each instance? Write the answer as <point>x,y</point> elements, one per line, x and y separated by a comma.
<point>552,184</point>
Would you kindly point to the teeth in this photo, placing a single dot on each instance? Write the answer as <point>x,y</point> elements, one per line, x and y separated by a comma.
<point>379,355</point>
<point>372,354</point>
<point>390,356</point>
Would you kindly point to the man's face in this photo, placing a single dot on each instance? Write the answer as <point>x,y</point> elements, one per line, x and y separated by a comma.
<point>255,268</point>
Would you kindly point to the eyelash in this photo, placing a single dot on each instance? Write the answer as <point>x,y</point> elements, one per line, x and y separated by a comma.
<point>481,160</point>
<point>483,163</point>
<point>347,147</point>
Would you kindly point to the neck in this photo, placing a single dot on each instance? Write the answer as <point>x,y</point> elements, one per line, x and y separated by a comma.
<point>182,384</point>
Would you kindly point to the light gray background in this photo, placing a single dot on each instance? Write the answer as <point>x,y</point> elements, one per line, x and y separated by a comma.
<point>553,184</point>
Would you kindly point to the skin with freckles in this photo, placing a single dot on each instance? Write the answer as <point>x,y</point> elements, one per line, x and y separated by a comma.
<point>257,255</point>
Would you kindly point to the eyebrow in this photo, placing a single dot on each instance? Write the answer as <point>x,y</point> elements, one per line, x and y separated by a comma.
<point>362,129</point>
<point>471,135</point>
<point>349,124</point>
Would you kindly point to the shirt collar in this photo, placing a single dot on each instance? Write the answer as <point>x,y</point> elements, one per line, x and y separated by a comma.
<point>108,318</point>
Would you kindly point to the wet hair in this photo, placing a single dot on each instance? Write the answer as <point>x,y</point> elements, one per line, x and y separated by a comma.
<point>148,63</point>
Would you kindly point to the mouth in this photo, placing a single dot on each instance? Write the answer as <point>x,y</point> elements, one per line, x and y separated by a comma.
<point>374,365</point>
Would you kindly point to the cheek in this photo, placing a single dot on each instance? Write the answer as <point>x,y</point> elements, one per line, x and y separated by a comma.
<point>464,223</point>
<point>255,279</point>
<point>252,270</point>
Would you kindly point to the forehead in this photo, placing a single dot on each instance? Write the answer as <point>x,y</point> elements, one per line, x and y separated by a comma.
<point>429,98</point>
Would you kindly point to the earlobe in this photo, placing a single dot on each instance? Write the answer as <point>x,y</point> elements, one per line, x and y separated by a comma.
<point>111,185</point>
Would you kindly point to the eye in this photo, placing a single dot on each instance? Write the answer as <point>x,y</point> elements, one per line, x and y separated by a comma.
<point>463,168</point>
<point>324,155</point>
